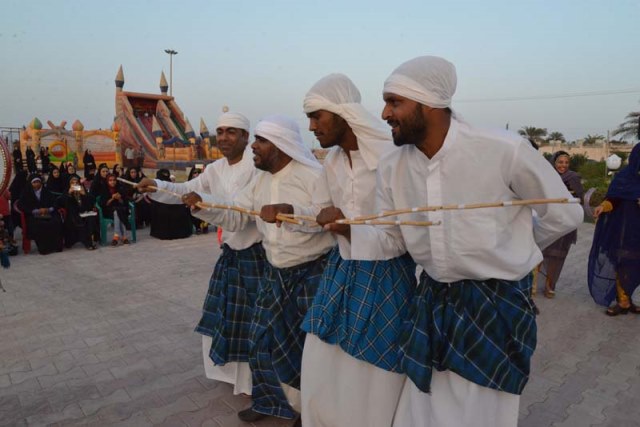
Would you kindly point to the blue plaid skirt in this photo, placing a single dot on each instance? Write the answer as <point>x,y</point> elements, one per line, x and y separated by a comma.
<point>230,301</point>
<point>276,355</point>
<point>484,331</point>
<point>360,306</point>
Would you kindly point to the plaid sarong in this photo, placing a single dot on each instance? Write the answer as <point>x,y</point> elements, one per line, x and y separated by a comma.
<point>277,340</point>
<point>484,331</point>
<point>360,306</point>
<point>230,301</point>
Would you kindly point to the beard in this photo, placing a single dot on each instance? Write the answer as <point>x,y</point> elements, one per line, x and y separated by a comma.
<point>410,131</point>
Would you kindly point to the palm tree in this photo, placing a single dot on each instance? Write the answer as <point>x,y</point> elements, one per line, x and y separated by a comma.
<point>556,136</point>
<point>532,132</point>
<point>592,139</point>
<point>629,128</point>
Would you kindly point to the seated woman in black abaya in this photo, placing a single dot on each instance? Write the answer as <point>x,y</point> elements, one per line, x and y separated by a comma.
<point>81,222</point>
<point>170,218</point>
<point>44,224</point>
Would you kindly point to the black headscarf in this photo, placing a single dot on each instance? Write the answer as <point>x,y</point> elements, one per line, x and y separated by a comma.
<point>57,185</point>
<point>192,172</point>
<point>163,175</point>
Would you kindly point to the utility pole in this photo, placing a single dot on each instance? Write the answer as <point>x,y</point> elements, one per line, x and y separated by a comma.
<point>170,52</point>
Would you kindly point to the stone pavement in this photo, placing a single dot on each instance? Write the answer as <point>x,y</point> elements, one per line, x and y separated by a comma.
<point>106,338</point>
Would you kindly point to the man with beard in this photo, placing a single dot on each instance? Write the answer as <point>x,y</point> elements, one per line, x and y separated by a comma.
<point>296,260</point>
<point>230,301</point>
<point>471,329</point>
<point>354,323</point>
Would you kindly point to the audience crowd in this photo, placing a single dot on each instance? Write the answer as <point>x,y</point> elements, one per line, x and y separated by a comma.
<point>56,207</point>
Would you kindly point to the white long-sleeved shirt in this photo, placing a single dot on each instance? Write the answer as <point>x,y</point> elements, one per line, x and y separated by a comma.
<point>351,187</point>
<point>284,247</point>
<point>474,166</point>
<point>223,181</point>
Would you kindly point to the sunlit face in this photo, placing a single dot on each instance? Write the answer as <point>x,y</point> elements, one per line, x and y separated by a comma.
<point>562,164</point>
<point>266,155</point>
<point>329,128</point>
<point>406,118</point>
<point>231,141</point>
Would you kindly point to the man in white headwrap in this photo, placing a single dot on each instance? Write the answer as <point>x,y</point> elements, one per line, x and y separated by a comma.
<point>295,264</point>
<point>471,330</point>
<point>231,297</point>
<point>355,321</point>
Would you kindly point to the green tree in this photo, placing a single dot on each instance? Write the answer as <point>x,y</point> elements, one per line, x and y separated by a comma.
<point>532,132</point>
<point>576,161</point>
<point>629,128</point>
<point>592,139</point>
<point>556,136</point>
<point>622,155</point>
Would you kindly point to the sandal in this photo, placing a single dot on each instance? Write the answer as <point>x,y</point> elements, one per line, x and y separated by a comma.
<point>615,310</point>
<point>634,309</point>
<point>548,293</point>
<point>125,241</point>
<point>114,242</point>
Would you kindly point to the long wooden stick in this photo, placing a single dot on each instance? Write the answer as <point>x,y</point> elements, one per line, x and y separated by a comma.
<point>375,222</point>
<point>366,222</point>
<point>459,207</point>
<point>203,205</point>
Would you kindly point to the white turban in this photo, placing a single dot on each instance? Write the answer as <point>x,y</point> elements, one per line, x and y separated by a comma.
<point>428,80</point>
<point>284,133</point>
<point>337,94</point>
<point>233,120</point>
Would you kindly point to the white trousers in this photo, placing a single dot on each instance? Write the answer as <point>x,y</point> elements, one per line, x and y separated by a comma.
<point>455,402</point>
<point>339,390</point>
<point>237,374</point>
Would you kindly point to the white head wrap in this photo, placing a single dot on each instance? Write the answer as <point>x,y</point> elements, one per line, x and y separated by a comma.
<point>428,80</point>
<point>284,133</point>
<point>233,120</point>
<point>337,94</point>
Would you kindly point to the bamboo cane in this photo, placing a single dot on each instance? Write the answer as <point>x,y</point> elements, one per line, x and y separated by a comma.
<point>459,207</point>
<point>203,205</point>
<point>375,222</point>
<point>366,222</point>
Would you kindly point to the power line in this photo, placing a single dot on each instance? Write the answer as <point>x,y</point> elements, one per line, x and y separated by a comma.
<point>559,96</point>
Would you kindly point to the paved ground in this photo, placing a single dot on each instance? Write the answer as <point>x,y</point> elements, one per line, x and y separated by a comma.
<point>106,338</point>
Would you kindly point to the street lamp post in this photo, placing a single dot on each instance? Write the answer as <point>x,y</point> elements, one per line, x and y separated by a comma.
<point>170,52</point>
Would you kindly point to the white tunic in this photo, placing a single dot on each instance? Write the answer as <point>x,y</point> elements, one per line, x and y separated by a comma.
<point>472,166</point>
<point>224,180</point>
<point>352,188</point>
<point>357,393</point>
<point>283,246</point>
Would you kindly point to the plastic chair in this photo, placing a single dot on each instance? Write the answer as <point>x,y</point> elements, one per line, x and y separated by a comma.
<point>105,222</point>
<point>26,242</point>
